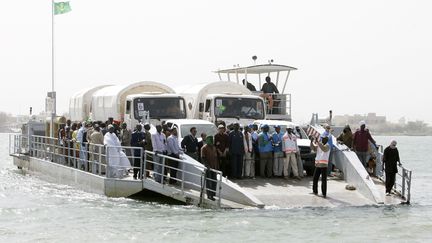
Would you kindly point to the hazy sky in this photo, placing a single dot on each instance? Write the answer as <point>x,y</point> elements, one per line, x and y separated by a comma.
<point>352,56</point>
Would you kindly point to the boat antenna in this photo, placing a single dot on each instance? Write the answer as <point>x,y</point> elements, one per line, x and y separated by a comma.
<point>254,58</point>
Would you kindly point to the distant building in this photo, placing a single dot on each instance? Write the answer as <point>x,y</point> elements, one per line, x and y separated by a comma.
<point>370,119</point>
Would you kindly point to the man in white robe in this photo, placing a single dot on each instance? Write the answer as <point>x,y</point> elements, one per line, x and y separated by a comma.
<point>117,161</point>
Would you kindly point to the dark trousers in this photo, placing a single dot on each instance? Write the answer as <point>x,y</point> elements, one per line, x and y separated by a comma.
<point>390,181</point>
<point>236,165</point>
<point>137,166</point>
<point>211,183</point>
<point>323,172</point>
<point>257,162</point>
<point>173,164</point>
<point>223,162</point>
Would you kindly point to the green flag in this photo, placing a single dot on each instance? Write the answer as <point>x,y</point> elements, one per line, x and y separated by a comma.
<point>61,8</point>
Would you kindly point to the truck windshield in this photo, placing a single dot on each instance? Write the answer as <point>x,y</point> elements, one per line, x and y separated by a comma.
<point>160,107</point>
<point>249,108</point>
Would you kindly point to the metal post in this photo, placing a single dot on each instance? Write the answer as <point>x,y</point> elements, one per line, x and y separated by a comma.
<point>259,81</point>
<point>277,79</point>
<point>286,80</point>
<point>202,187</point>
<point>53,112</point>
<point>403,182</point>
<point>220,189</point>
<point>409,187</point>
<point>182,176</point>
<point>10,135</point>
<point>69,154</point>
<point>237,77</point>
<point>19,144</point>
<point>246,78</point>
<point>108,168</point>
<point>163,170</point>
<point>143,165</point>
<point>38,147</point>
<point>100,160</point>
<point>51,143</point>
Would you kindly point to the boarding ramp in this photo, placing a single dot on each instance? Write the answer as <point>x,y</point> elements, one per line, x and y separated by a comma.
<point>402,186</point>
<point>354,173</point>
<point>95,168</point>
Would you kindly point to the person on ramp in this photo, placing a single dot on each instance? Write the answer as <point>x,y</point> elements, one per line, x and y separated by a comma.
<point>322,149</point>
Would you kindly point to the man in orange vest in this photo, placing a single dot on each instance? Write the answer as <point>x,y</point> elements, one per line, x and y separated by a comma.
<point>289,147</point>
<point>321,162</point>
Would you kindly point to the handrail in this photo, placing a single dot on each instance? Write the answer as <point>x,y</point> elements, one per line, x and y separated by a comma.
<point>284,106</point>
<point>405,176</point>
<point>402,184</point>
<point>182,180</point>
<point>105,161</point>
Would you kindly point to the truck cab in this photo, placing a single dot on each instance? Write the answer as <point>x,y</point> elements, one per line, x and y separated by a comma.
<point>153,108</point>
<point>223,102</point>
<point>232,108</point>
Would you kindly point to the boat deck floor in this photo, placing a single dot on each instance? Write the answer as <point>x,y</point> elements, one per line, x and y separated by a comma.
<point>281,193</point>
<point>393,199</point>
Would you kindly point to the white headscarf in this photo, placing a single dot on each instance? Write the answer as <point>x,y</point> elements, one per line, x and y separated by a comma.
<point>393,144</point>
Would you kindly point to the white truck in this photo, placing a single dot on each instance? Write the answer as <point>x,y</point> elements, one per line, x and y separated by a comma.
<point>223,101</point>
<point>80,103</point>
<point>184,126</point>
<point>129,103</point>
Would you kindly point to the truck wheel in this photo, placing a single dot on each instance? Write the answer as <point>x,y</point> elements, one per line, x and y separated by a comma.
<point>19,167</point>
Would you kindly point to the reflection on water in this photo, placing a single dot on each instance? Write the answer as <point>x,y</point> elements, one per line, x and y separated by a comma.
<point>35,210</point>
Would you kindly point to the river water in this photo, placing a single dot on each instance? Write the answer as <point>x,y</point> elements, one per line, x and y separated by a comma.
<point>33,210</point>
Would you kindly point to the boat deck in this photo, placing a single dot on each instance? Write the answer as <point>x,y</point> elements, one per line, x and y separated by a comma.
<point>281,193</point>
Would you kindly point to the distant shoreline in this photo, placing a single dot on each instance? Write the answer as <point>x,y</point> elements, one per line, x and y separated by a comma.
<point>402,135</point>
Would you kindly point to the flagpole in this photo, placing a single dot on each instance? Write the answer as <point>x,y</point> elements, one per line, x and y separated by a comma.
<point>53,95</point>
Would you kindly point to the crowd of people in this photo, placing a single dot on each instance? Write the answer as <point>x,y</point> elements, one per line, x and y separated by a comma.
<point>83,142</point>
<point>249,152</point>
<point>238,152</point>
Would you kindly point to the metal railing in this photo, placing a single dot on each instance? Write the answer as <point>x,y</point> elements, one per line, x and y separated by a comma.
<point>281,104</point>
<point>18,144</point>
<point>116,162</point>
<point>403,183</point>
<point>167,169</point>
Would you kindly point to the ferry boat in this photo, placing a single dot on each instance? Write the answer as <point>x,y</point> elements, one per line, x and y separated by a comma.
<point>97,169</point>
